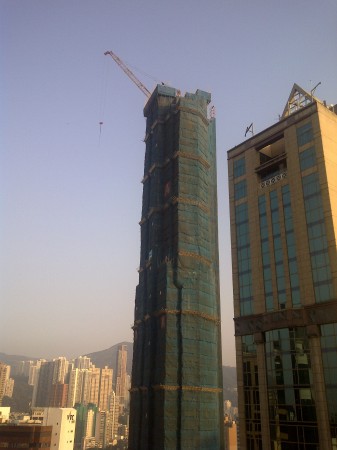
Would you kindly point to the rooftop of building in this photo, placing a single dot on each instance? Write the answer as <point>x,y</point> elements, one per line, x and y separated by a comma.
<point>298,101</point>
<point>167,91</point>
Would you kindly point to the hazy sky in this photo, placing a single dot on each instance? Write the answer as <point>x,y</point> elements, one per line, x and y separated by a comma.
<point>70,197</point>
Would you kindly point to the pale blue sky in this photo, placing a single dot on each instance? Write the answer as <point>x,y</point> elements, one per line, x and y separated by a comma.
<point>70,204</point>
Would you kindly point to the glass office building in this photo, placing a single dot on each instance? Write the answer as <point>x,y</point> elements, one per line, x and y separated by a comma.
<point>283,202</point>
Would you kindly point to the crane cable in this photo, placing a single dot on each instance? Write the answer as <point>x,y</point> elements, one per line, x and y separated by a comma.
<point>156,80</point>
<point>103,97</point>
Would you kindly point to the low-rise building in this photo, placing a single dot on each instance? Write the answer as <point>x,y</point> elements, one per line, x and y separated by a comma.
<point>4,413</point>
<point>28,436</point>
<point>63,421</point>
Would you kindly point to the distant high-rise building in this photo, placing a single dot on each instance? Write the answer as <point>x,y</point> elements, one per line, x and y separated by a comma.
<point>79,387</point>
<point>84,386</point>
<point>176,392</point>
<point>105,388</point>
<point>47,374</point>
<point>43,388</point>
<point>82,362</point>
<point>102,429</point>
<point>114,415</point>
<point>81,424</point>
<point>9,387</point>
<point>283,202</point>
<point>4,376</point>
<point>60,369</point>
<point>230,436</point>
<point>34,372</point>
<point>94,379</point>
<point>59,395</point>
<point>22,368</point>
<point>91,420</point>
<point>121,382</point>
<point>73,389</point>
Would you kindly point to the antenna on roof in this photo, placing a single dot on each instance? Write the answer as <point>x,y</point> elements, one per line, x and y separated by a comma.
<point>314,88</point>
<point>250,129</point>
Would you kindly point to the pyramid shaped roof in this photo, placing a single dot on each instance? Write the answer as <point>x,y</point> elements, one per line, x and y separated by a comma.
<point>298,98</point>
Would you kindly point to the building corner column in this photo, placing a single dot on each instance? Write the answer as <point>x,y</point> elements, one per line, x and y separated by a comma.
<point>263,391</point>
<point>313,333</point>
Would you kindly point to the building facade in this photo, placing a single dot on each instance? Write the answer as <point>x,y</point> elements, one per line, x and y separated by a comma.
<point>105,388</point>
<point>63,423</point>
<point>121,379</point>
<point>176,388</point>
<point>6,383</point>
<point>283,204</point>
<point>28,436</point>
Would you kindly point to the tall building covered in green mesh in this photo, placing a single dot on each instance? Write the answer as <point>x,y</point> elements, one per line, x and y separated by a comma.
<point>176,392</point>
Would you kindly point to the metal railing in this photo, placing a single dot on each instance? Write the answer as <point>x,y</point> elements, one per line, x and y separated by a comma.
<point>272,180</point>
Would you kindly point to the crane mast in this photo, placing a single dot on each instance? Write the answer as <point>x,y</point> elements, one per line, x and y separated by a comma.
<point>128,72</point>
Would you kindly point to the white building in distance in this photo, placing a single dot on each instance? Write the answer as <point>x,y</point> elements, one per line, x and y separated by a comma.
<point>63,421</point>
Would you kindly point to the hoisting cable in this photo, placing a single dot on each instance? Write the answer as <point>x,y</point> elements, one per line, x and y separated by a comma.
<point>103,96</point>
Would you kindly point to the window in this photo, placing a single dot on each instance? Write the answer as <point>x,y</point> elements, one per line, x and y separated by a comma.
<point>251,413</point>
<point>244,260</point>
<point>329,357</point>
<point>308,158</point>
<point>291,400</point>
<point>320,262</point>
<point>240,190</point>
<point>304,134</point>
<point>267,273</point>
<point>239,167</point>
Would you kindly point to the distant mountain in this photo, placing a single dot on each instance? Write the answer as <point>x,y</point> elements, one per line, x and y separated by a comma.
<point>108,357</point>
<point>229,377</point>
<point>10,359</point>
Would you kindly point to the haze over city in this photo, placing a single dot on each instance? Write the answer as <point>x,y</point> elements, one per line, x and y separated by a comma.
<point>71,190</point>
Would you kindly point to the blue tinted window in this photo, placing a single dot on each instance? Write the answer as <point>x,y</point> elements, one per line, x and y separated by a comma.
<point>304,134</point>
<point>289,375</point>
<point>308,158</point>
<point>240,190</point>
<point>241,213</point>
<point>239,167</point>
<point>310,184</point>
<point>318,245</point>
<point>329,356</point>
<point>267,273</point>
<point>244,260</point>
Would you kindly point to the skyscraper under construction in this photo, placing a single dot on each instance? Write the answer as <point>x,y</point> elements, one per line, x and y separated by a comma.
<point>176,393</point>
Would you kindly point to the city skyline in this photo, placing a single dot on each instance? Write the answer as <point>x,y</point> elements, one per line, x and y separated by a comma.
<point>71,191</point>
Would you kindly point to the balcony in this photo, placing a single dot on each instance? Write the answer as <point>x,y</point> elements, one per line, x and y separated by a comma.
<point>273,161</point>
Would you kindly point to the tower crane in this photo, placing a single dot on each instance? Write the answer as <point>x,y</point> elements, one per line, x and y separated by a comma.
<point>130,74</point>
